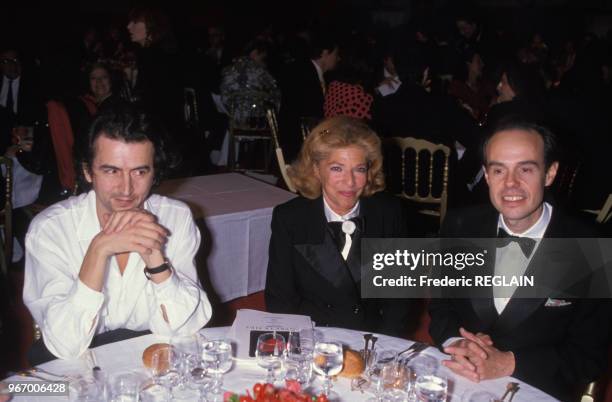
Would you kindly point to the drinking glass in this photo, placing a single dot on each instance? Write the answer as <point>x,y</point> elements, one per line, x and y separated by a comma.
<point>298,360</point>
<point>161,370</point>
<point>125,387</point>
<point>327,361</point>
<point>217,357</point>
<point>431,388</point>
<point>269,351</point>
<point>185,357</point>
<point>154,392</point>
<point>376,373</point>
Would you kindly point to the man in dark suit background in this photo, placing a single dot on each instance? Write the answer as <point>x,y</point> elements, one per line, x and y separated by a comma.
<point>552,344</point>
<point>18,93</point>
<point>303,90</point>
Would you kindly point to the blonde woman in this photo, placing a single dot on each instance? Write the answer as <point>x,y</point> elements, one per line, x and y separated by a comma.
<point>313,268</point>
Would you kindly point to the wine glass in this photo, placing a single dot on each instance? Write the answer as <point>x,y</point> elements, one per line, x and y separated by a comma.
<point>185,357</point>
<point>269,351</point>
<point>431,388</point>
<point>327,361</point>
<point>377,371</point>
<point>298,360</point>
<point>217,356</point>
<point>421,365</point>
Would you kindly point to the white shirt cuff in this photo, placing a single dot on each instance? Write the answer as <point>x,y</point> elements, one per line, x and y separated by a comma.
<point>167,289</point>
<point>450,341</point>
<point>86,298</point>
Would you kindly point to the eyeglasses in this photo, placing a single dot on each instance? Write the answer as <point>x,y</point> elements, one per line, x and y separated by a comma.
<point>7,61</point>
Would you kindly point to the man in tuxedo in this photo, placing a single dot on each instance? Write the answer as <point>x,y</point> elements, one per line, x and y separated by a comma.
<point>17,94</point>
<point>303,89</point>
<point>552,344</point>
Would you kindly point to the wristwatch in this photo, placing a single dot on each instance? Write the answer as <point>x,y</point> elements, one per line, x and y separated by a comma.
<point>151,271</point>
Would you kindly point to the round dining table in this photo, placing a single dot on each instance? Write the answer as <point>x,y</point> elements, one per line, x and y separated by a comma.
<point>126,355</point>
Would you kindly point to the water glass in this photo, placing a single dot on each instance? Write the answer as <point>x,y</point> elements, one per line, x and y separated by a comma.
<point>125,387</point>
<point>431,388</point>
<point>328,358</point>
<point>298,367</point>
<point>185,357</point>
<point>217,357</point>
<point>376,373</point>
<point>269,352</point>
<point>154,392</point>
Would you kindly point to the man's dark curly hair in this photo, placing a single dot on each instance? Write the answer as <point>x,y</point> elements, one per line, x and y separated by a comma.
<point>124,123</point>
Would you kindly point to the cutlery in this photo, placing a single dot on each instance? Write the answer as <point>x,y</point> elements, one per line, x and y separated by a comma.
<point>38,370</point>
<point>509,387</point>
<point>515,388</point>
<point>415,348</point>
<point>366,338</point>
<point>374,339</point>
<point>32,375</point>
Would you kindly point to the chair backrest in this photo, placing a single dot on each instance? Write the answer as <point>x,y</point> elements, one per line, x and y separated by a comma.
<point>280,158</point>
<point>420,147</point>
<point>6,214</point>
<point>605,213</point>
<point>563,186</point>
<point>62,136</point>
<point>192,118</point>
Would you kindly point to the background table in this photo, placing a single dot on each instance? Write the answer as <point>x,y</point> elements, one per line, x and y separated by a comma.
<point>237,211</point>
<point>126,355</point>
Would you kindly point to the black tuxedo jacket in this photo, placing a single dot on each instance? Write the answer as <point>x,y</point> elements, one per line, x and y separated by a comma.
<point>557,349</point>
<point>302,96</point>
<point>307,275</point>
<point>29,100</point>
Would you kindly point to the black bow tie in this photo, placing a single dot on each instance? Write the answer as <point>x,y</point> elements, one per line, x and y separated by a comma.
<point>339,235</point>
<point>525,243</point>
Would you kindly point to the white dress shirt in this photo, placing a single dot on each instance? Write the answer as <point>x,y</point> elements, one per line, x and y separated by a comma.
<point>332,216</point>
<point>511,258</point>
<point>512,253</point>
<point>4,92</point>
<point>65,308</point>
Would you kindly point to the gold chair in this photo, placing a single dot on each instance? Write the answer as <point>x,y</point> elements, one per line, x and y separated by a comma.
<point>605,213</point>
<point>191,116</point>
<point>259,131</point>
<point>422,146</point>
<point>280,158</point>
<point>6,214</point>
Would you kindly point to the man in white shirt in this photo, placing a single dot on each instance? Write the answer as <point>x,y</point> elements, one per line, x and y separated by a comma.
<point>116,257</point>
<point>553,344</point>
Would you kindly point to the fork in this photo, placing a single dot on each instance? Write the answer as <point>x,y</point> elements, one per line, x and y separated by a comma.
<point>413,349</point>
<point>43,371</point>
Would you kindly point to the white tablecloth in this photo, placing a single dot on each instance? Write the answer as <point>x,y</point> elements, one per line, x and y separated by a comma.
<point>126,355</point>
<point>237,211</point>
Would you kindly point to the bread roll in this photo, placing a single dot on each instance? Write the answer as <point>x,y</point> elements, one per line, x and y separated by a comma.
<point>162,349</point>
<point>353,364</point>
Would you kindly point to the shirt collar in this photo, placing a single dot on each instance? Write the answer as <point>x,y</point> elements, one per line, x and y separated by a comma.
<point>537,230</point>
<point>319,71</point>
<point>334,217</point>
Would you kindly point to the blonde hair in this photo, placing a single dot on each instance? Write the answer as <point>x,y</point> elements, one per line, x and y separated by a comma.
<point>329,135</point>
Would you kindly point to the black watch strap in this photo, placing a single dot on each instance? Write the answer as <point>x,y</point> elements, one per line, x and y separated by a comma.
<point>156,270</point>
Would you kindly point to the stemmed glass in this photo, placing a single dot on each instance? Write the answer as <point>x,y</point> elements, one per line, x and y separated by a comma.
<point>298,360</point>
<point>185,361</point>
<point>431,388</point>
<point>327,361</point>
<point>217,356</point>
<point>377,372</point>
<point>269,351</point>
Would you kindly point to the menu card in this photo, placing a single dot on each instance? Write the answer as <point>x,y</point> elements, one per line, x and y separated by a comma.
<point>249,324</point>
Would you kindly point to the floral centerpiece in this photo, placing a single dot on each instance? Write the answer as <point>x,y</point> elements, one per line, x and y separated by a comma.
<point>292,392</point>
